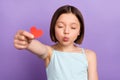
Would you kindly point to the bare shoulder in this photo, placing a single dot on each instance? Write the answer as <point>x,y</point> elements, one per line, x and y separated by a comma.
<point>90,52</point>
<point>91,55</point>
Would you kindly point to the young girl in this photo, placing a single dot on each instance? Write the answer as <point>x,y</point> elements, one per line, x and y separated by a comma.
<point>64,60</point>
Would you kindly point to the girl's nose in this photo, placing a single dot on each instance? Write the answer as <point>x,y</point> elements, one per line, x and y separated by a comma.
<point>66,30</point>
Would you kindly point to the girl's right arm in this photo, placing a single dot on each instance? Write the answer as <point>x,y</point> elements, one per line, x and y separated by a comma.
<point>25,40</point>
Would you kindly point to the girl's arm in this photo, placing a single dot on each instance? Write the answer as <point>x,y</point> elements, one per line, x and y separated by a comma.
<point>25,40</point>
<point>92,65</point>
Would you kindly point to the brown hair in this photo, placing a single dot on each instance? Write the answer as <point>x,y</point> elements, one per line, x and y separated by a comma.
<point>67,9</point>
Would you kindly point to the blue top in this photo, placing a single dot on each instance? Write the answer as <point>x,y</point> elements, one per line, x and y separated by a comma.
<point>67,66</point>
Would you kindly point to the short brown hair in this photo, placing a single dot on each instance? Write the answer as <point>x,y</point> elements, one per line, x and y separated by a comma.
<point>67,9</point>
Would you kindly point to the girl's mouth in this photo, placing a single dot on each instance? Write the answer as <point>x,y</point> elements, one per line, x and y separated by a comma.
<point>65,39</point>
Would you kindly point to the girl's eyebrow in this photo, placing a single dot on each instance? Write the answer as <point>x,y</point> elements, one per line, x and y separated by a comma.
<point>74,24</point>
<point>59,22</point>
<point>63,22</point>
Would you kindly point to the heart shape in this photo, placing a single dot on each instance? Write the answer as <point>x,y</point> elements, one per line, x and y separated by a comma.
<point>36,32</point>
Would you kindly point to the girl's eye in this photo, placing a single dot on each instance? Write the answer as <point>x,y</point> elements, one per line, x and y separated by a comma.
<point>73,28</point>
<point>60,26</point>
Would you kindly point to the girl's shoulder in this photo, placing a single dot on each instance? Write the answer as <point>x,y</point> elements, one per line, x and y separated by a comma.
<point>89,52</point>
<point>91,55</point>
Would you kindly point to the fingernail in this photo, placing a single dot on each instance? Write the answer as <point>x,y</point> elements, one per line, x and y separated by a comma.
<point>32,36</point>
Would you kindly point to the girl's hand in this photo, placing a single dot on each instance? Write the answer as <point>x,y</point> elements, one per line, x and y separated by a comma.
<point>22,39</point>
<point>25,40</point>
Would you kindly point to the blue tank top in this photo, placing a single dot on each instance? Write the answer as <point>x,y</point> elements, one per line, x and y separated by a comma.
<point>67,66</point>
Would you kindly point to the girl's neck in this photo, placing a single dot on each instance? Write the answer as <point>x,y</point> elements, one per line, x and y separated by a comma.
<point>65,48</point>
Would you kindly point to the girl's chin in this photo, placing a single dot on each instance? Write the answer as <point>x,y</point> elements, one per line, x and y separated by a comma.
<point>65,43</point>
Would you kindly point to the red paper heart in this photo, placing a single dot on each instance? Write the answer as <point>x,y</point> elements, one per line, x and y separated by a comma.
<point>36,32</point>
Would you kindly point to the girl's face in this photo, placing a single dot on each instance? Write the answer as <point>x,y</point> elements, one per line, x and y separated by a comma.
<point>67,29</point>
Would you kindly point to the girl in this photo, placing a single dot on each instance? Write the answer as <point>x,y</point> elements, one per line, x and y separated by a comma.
<point>64,60</point>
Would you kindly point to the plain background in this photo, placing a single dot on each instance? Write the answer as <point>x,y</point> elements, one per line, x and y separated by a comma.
<point>102,34</point>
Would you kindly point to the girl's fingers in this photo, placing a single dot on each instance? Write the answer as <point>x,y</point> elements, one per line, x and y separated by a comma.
<point>28,35</point>
<point>20,37</point>
<point>20,44</point>
<point>24,35</point>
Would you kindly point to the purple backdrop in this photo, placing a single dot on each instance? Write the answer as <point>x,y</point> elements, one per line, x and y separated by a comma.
<point>102,22</point>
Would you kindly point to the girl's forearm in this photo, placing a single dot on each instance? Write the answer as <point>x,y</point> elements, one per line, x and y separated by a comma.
<point>38,48</point>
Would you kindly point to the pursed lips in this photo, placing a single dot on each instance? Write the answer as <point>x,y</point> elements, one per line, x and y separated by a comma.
<point>65,39</point>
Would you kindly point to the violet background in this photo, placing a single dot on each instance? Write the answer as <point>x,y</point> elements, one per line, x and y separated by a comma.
<point>102,34</point>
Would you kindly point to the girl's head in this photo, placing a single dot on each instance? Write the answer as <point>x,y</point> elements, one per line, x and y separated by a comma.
<point>63,11</point>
